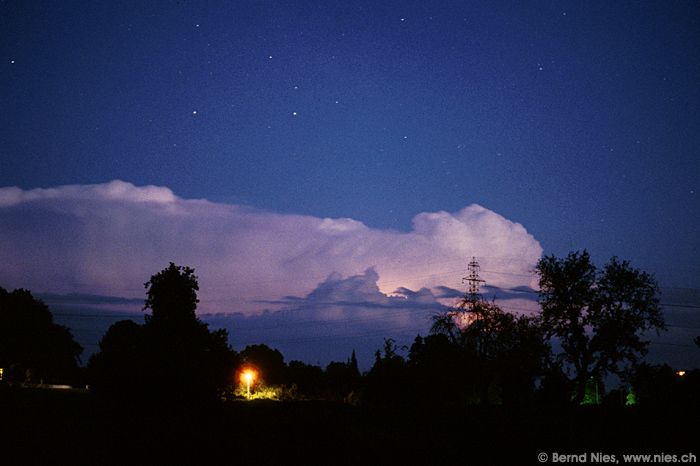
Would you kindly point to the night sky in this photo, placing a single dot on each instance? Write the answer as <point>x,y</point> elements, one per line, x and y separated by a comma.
<point>344,142</point>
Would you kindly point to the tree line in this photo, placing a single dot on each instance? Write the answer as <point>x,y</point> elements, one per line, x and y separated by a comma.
<point>591,324</point>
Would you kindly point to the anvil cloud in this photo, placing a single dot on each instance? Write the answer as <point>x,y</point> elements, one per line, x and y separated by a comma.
<point>109,238</point>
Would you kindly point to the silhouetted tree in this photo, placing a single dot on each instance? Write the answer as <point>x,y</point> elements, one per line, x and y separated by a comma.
<point>118,367</point>
<point>388,379</point>
<point>268,361</point>
<point>352,365</point>
<point>172,295</point>
<point>342,378</point>
<point>442,373</point>
<point>522,358</point>
<point>308,379</point>
<point>173,356</point>
<point>597,316</point>
<point>32,347</point>
<point>506,352</point>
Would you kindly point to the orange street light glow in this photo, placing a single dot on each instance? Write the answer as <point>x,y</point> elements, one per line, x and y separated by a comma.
<point>680,373</point>
<point>248,377</point>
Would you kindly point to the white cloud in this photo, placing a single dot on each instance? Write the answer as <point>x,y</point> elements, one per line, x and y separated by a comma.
<point>109,238</point>
<point>115,190</point>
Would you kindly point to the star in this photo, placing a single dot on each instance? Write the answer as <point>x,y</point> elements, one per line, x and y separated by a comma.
<point>194,112</point>
<point>12,62</point>
<point>269,56</point>
<point>294,113</point>
<point>403,19</point>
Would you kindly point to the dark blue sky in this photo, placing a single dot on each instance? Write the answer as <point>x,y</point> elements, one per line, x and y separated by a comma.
<point>577,119</point>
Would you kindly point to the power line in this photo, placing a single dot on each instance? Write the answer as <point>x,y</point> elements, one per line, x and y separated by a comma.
<point>671,344</point>
<point>689,306</point>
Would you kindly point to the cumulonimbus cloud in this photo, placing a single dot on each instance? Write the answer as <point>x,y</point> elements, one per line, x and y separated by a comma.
<point>109,238</point>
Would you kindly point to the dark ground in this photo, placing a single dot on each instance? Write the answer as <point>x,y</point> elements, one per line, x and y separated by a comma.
<point>64,427</point>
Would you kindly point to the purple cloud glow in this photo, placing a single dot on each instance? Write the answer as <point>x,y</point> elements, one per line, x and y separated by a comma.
<point>107,239</point>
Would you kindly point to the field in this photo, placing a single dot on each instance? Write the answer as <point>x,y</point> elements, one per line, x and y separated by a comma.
<point>67,427</point>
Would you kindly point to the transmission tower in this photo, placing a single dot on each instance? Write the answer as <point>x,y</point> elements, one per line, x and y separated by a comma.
<point>473,284</point>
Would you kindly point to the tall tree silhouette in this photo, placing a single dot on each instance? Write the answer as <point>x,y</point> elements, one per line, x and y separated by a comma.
<point>173,356</point>
<point>598,316</point>
<point>172,295</point>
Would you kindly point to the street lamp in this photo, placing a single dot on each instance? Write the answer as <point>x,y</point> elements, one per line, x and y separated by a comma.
<point>248,377</point>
